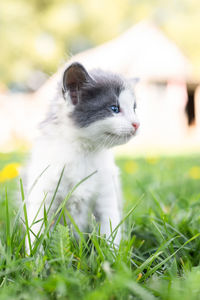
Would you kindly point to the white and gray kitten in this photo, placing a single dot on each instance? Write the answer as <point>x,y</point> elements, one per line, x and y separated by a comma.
<point>91,113</point>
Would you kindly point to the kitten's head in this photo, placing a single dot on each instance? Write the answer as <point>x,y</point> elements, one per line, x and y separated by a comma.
<point>102,105</point>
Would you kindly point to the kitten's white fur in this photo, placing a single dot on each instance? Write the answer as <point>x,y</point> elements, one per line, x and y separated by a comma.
<point>82,151</point>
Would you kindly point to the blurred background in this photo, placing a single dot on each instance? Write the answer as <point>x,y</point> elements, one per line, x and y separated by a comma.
<point>157,41</point>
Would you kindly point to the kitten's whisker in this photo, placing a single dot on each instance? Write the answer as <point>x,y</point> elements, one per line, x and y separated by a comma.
<point>107,140</point>
<point>112,140</point>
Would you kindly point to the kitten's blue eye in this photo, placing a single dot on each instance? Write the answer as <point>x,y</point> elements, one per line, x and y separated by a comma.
<point>115,109</point>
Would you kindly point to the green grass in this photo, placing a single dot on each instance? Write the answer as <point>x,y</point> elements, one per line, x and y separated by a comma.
<point>158,257</point>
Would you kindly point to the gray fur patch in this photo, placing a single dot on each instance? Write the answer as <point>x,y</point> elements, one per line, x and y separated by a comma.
<point>97,97</point>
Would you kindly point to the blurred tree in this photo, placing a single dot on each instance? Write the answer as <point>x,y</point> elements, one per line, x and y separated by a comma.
<point>41,34</point>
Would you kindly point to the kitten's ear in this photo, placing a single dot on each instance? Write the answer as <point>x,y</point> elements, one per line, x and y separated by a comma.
<point>74,77</point>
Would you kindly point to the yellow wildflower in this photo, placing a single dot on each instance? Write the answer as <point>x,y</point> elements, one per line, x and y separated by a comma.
<point>139,276</point>
<point>194,172</point>
<point>130,167</point>
<point>9,171</point>
<point>152,160</point>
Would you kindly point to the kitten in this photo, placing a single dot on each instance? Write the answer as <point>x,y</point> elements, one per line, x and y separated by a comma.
<point>91,113</point>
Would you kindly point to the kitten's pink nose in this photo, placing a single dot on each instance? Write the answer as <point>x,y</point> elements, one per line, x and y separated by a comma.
<point>136,125</point>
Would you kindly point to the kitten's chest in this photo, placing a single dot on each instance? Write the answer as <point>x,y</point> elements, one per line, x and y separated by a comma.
<point>90,171</point>
<point>85,171</point>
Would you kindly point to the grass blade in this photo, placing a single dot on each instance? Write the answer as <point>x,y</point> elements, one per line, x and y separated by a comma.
<point>8,237</point>
<point>36,180</point>
<point>25,216</point>
<point>60,210</point>
<point>126,216</point>
<point>154,269</point>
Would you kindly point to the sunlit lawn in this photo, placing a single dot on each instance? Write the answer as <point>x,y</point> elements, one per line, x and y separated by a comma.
<point>158,257</point>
